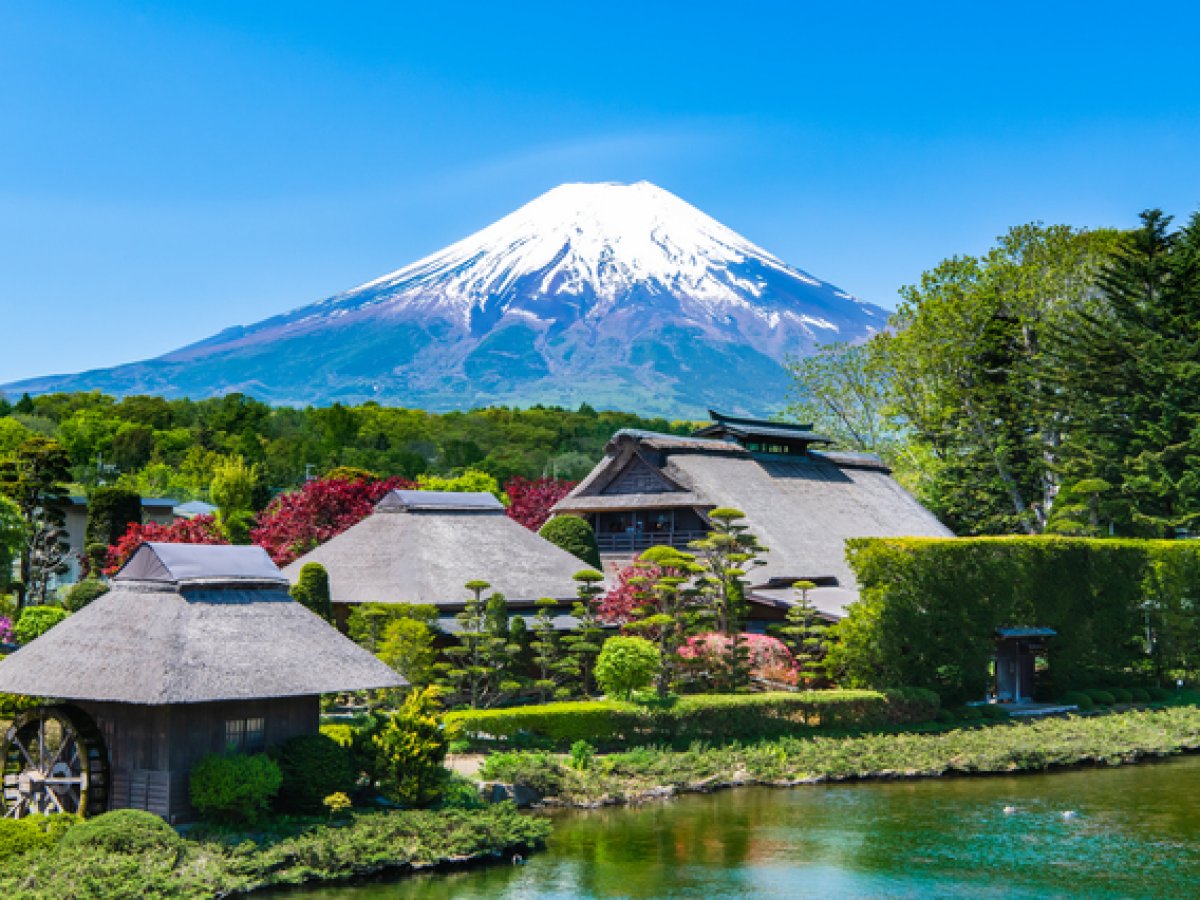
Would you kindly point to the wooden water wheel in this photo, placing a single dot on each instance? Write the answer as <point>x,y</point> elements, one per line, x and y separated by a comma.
<point>54,761</point>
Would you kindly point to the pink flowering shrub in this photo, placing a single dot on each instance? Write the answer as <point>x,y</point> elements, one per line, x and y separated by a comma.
<point>6,630</point>
<point>770,658</point>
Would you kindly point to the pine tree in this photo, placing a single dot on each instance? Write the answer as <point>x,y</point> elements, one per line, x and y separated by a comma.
<point>804,634</point>
<point>481,668</point>
<point>724,556</point>
<point>584,642</point>
<point>554,668</point>
<point>669,608</point>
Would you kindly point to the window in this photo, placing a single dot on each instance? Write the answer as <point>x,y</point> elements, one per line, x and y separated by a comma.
<point>245,735</point>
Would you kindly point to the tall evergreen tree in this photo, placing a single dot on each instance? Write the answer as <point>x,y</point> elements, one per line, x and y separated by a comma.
<point>1128,372</point>
<point>584,642</point>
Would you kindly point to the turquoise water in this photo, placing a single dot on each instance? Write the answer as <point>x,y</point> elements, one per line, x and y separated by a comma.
<point>1135,832</point>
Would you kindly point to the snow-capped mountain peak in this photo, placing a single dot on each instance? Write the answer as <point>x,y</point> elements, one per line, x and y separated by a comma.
<point>621,296</point>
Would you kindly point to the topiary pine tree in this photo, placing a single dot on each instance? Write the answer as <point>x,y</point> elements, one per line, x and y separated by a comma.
<point>804,634</point>
<point>583,644</point>
<point>668,607</point>
<point>724,555</point>
<point>479,671</point>
<point>554,668</point>
<point>574,535</point>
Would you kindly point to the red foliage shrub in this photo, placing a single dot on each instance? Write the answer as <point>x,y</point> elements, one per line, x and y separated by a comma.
<point>618,605</point>
<point>297,521</point>
<point>200,530</point>
<point>530,500</point>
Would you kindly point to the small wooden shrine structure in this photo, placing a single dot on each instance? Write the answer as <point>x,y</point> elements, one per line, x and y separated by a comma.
<point>1017,650</point>
<point>195,650</point>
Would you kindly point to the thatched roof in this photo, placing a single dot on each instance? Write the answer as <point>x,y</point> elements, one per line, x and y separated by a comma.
<point>192,624</point>
<point>803,507</point>
<point>424,549</point>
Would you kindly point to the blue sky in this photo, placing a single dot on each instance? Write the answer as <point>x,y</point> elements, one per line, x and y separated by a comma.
<point>167,170</point>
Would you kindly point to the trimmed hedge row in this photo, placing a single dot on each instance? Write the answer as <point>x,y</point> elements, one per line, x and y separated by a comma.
<point>721,717</point>
<point>929,608</point>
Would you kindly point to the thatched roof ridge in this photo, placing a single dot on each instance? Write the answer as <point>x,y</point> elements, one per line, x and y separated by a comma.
<point>158,643</point>
<point>427,556</point>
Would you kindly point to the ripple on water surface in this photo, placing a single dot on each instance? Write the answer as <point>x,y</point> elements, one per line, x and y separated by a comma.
<point>1134,832</point>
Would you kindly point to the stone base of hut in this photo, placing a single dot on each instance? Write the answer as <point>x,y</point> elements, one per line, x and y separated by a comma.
<point>152,749</point>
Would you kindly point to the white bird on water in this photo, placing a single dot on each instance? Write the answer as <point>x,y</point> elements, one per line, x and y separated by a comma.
<point>1009,810</point>
<point>1069,814</point>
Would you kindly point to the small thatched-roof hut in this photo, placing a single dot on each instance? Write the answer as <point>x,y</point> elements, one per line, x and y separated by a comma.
<point>195,649</point>
<point>802,503</point>
<point>422,546</point>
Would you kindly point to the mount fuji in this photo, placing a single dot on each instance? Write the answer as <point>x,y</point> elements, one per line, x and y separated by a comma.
<point>621,296</point>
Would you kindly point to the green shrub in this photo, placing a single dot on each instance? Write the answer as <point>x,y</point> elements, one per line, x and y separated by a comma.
<point>36,621</point>
<point>312,590</point>
<point>701,717</point>
<point>1121,695</point>
<point>1101,697</point>
<point>459,792</point>
<point>627,664</point>
<point>969,713</point>
<point>1139,695</point>
<point>32,833</point>
<point>338,732</point>
<point>124,831</point>
<point>234,787</point>
<point>994,712</point>
<point>312,767</point>
<point>82,593</point>
<point>410,748</point>
<point>582,754</point>
<point>536,771</point>
<point>1078,698</point>
<point>945,716</point>
<point>574,535</point>
<point>1158,693</point>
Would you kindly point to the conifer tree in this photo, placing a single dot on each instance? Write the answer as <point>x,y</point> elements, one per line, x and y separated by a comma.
<point>724,556</point>
<point>554,668</point>
<point>312,591</point>
<point>668,608</point>
<point>804,634</point>
<point>480,670</point>
<point>583,644</point>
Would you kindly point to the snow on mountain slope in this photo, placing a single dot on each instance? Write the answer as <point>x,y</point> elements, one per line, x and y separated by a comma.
<point>618,295</point>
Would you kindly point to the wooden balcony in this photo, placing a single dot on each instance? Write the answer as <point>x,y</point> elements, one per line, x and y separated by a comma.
<point>631,542</point>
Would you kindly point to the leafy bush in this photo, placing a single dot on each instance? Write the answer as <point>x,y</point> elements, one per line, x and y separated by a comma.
<point>82,593</point>
<point>945,716</point>
<point>1139,695</point>
<point>36,621</point>
<point>1158,694</point>
<point>32,833</point>
<point>338,804</point>
<point>969,714</point>
<point>1121,695</point>
<point>627,664</point>
<point>700,717</point>
<point>1078,698</point>
<point>410,749</point>
<point>1101,697</point>
<point>234,787</point>
<point>574,535</point>
<point>582,754</point>
<point>311,590</point>
<point>124,831</point>
<point>312,767</point>
<point>339,733</point>
<point>536,771</point>
<point>459,792</point>
<point>993,712</point>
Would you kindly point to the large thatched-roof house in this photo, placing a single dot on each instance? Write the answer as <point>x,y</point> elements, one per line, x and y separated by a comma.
<point>801,502</point>
<point>196,649</point>
<point>423,546</point>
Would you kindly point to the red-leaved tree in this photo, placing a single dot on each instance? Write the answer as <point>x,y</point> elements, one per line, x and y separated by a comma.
<point>200,530</point>
<point>531,499</point>
<point>769,657</point>
<point>297,521</point>
<point>619,605</point>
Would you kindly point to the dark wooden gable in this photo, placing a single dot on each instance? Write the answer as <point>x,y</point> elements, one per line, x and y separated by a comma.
<point>639,477</point>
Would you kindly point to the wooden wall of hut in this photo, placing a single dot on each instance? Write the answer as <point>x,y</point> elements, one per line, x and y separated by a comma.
<point>152,749</point>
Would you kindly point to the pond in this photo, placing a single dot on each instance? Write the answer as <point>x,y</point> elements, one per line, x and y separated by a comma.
<point>1133,831</point>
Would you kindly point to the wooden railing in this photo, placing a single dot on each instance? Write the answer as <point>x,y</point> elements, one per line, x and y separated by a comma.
<point>636,542</point>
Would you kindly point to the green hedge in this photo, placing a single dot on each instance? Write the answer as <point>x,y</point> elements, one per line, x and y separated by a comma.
<point>724,717</point>
<point>929,608</point>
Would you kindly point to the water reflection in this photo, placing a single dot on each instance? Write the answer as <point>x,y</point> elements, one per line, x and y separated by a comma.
<point>1136,833</point>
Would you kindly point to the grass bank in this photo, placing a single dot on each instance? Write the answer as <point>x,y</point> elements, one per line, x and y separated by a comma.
<point>645,773</point>
<point>225,864</point>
